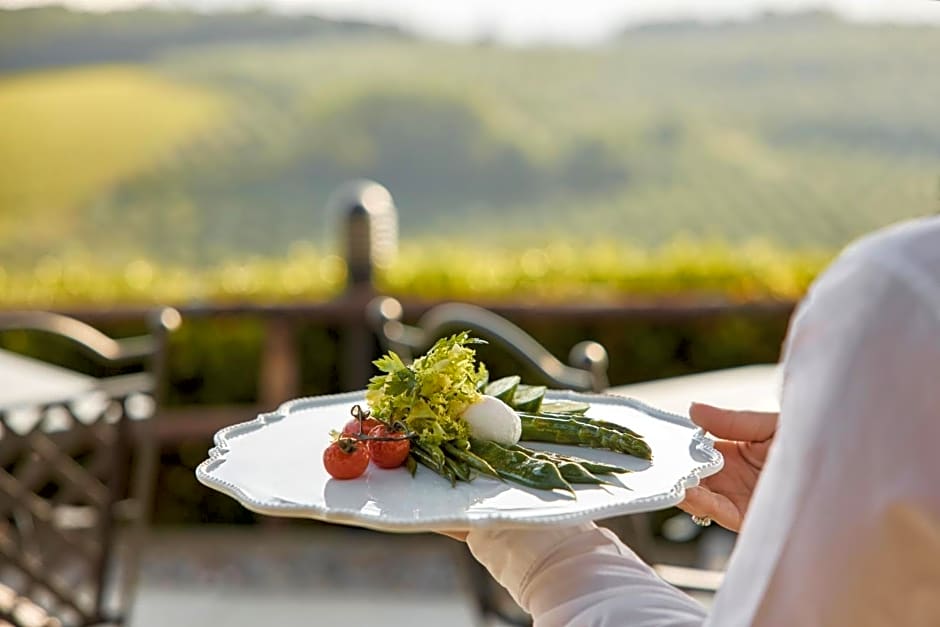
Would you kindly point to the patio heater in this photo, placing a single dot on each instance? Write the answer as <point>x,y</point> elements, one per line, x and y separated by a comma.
<point>370,232</point>
<point>370,229</point>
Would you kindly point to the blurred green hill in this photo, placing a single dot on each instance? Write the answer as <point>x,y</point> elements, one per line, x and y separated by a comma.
<point>200,138</point>
<point>55,36</point>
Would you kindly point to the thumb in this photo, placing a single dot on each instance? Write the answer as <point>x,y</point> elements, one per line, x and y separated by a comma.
<point>731,424</point>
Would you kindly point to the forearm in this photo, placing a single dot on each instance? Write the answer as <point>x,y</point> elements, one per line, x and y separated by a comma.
<point>581,576</point>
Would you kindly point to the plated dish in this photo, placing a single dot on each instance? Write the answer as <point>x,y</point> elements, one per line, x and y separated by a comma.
<point>647,458</point>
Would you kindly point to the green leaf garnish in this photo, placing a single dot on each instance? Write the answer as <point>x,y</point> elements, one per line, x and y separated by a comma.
<point>429,395</point>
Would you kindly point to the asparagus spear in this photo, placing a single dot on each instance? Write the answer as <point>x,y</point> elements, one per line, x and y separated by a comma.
<point>542,429</point>
<point>613,426</point>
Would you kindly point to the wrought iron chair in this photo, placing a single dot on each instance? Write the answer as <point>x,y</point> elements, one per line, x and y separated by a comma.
<point>587,373</point>
<point>72,470</point>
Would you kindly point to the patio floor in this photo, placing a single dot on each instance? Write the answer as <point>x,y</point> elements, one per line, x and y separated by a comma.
<point>289,575</point>
<point>315,574</point>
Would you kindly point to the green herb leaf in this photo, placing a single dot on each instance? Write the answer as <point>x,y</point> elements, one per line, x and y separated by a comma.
<point>390,363</point>
<point>430,395</point>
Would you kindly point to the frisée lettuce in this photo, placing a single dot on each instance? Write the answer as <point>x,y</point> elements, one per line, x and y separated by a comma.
<point>430,394</point>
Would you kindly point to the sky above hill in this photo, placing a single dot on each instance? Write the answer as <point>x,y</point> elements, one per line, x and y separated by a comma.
<point>527,21</point>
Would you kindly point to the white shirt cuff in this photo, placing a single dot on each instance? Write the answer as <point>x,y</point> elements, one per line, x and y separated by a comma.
<point>512,555</point>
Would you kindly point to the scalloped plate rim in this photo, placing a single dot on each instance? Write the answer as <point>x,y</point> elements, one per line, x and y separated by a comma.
<point>703,444</point>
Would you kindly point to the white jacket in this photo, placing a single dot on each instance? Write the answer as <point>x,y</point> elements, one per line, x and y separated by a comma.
<point>844,525</point>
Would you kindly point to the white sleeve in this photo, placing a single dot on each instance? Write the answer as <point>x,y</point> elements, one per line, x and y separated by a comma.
<point>581,576</point>
<point>853,469</point>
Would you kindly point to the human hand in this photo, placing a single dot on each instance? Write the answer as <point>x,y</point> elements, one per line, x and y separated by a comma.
<point>745,439</point>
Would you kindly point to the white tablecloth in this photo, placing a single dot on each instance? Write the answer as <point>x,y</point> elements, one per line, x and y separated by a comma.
<point>25,381</point>
<point>748,387</point>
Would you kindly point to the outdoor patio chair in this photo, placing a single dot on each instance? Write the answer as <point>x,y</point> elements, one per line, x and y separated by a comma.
<point>74,472</point>
<point>587,373</point>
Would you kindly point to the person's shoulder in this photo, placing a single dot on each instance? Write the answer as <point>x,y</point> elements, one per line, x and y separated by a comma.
<point>893,272</point>
<point>913,244</point>
<point>910,251</point>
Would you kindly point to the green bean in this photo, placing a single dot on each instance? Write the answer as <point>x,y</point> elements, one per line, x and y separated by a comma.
<point>519,467</point>
<point>594,468</point>
<point>434,452</point>
<point>434,458</point>
<point>411,464</point>
<point>474,461</point>
<point>597,468</point>
<point>572,472</point>
<point>450,475</point>
<point>459,468</point>
<point>421,456</point>
<point>567,431</point>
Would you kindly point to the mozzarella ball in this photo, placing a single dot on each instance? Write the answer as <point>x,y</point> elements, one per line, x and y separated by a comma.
<point>492,419</point>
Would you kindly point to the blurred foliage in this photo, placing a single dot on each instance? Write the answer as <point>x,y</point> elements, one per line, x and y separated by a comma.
<point>54,36</point>
<point>68,135</point>
<point>561,271</point>
<point>603,270</point>
<point>209,149</point>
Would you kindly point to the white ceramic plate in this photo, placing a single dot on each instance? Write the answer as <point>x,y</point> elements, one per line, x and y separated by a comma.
<point>273,465</point>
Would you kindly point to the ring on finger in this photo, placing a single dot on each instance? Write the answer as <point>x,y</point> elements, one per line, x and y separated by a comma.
<point>701,521</point>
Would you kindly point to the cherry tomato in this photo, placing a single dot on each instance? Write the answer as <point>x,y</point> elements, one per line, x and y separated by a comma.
<point>352,427</point>
<point>346,458</point>
<point>388,453</point>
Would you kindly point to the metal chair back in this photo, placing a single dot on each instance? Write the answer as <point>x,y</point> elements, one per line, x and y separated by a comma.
<point>587,372</point>
<point>588,359</point>
<point>71,472</point>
